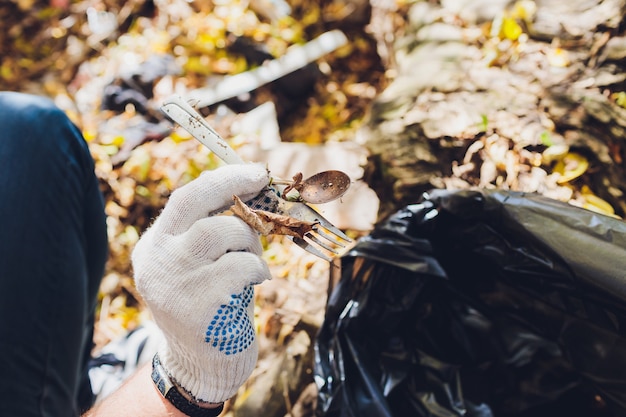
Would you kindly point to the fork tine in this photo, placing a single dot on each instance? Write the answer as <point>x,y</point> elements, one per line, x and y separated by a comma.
<point>305,212</point>
<point>330,227</point>
<point>309,248</point>
<point>321,243</point>
<point>328,236</point>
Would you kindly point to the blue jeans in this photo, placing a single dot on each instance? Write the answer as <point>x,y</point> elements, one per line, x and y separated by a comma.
<point>53,249</point>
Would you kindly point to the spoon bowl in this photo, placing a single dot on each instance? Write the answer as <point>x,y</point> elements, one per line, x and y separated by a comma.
<point>324,187</point>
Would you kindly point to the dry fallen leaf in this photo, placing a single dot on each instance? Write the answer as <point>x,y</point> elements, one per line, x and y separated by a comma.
<point>268,223</point>
<point>295,185</point>
<point>570,167</point>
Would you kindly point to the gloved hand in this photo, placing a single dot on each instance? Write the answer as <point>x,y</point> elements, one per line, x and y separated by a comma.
<point>196,274</point>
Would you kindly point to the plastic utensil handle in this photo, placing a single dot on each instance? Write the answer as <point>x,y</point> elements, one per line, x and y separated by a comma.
<point>186,116</point>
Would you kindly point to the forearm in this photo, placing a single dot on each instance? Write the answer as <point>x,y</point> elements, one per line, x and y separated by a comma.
<point>136,397</point>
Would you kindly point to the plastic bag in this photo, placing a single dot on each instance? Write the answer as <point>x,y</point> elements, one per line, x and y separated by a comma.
<point>478,303</point>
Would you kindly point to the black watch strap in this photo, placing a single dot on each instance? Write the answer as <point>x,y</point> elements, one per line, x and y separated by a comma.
<point>169,391</point>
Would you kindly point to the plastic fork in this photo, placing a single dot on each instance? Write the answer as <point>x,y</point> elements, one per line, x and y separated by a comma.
<point>324,237</point>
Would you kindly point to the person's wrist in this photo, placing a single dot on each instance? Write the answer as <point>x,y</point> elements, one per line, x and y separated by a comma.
<point>179,397</point>
<point>191,398</point>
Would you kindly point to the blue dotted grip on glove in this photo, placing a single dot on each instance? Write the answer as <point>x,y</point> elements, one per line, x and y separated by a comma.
<point>266,200</point>
<point>231,330</point>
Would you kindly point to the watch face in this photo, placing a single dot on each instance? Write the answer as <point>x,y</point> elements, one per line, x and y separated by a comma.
<point>159,377</point>
<point>158,381</point>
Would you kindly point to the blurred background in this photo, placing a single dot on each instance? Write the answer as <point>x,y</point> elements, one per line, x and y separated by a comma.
<point>518,95</point>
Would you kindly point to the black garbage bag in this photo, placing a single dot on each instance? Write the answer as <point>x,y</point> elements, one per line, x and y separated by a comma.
<point>478,303</point>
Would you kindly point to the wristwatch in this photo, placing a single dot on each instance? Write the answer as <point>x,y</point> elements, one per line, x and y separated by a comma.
<point>170,392</point>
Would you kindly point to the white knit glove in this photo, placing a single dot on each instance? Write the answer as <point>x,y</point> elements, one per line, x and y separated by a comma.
<point>196,275</point>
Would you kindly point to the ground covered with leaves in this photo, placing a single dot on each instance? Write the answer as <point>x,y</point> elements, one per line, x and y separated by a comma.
<point>523,96</point>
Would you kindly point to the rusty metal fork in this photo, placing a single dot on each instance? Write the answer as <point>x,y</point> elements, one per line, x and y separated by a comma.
<point>324,239</point>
